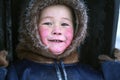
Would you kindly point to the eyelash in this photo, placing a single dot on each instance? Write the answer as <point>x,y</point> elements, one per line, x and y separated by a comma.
<point>65,24</point>
<point>47,23</point>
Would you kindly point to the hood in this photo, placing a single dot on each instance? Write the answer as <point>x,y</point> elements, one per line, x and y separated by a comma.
<point>29,39</point>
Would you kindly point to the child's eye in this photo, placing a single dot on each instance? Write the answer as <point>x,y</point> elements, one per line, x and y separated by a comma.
<point>65,24</point>
<point>47,23</point>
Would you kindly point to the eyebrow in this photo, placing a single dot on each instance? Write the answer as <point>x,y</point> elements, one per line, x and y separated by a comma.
<point>67,19</point>
<point>46,17</point>
<point>52,17</point>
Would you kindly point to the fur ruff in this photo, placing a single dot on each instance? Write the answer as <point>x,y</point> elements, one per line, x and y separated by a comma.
<point>29,40</point>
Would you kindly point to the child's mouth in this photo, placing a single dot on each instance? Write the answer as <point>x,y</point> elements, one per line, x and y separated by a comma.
<point>56,41</point>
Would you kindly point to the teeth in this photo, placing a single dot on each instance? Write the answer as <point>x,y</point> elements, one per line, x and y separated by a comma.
<point>56,40</point>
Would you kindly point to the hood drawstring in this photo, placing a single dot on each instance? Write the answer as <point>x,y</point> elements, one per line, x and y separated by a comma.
<point>60,70</point>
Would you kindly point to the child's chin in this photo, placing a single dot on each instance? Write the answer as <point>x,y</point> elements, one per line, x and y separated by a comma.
<point>56,53</point>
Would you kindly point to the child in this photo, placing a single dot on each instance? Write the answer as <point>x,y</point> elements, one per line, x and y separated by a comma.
<point>50,32</point>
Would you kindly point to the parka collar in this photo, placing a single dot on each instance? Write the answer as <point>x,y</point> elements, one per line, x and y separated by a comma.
<point>72,58</point>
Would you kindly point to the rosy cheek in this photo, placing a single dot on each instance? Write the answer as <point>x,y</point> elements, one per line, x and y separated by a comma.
<point>43,33</point>
<point>69,35</point>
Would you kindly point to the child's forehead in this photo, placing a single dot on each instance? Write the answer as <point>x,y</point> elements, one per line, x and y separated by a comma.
<point>49,18</point>
<point>56,10</point>
<point>57,6</point>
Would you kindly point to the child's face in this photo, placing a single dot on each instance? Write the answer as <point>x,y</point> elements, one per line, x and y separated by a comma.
<point>56,28</point>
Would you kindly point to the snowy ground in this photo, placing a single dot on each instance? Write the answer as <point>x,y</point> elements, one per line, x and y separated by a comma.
<point>117,45</point>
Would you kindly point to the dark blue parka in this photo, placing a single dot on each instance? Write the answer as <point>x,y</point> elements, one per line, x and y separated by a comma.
<point>29,70</point>
<point>38,63</point>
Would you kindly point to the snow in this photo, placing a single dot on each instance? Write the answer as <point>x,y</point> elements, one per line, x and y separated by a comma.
<point>117,44</point>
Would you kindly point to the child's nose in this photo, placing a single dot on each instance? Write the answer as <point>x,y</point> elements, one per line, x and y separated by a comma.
<point>56,31</point>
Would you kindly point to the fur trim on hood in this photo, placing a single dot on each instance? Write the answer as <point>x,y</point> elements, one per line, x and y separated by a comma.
<point>29,39</point>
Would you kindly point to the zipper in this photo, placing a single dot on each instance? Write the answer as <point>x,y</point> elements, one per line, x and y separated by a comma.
<point>60,70</point>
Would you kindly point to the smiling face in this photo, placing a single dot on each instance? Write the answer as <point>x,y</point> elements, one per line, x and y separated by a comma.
<point>56,28</point>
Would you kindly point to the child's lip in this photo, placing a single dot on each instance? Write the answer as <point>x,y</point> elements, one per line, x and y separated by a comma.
<point>56,40</point>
